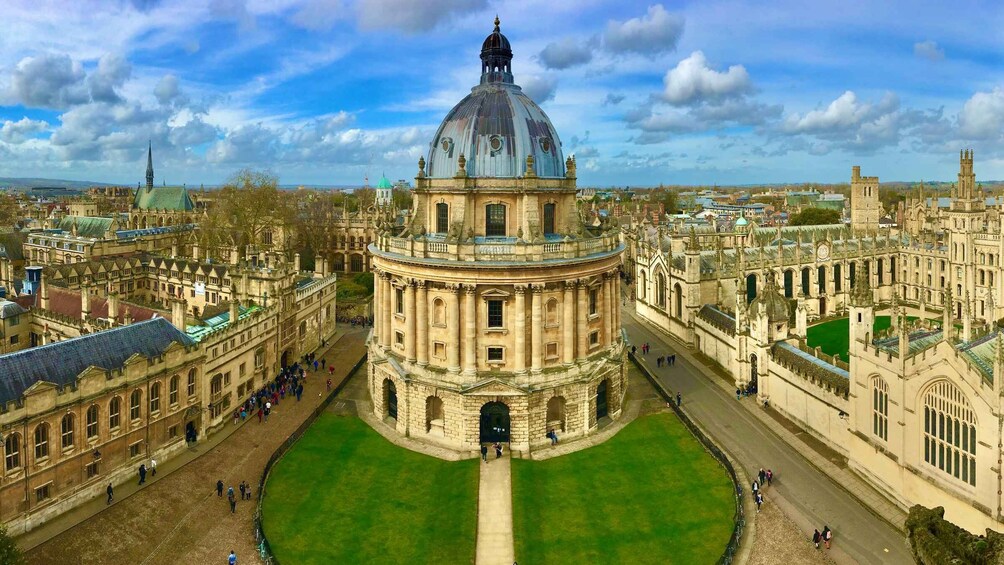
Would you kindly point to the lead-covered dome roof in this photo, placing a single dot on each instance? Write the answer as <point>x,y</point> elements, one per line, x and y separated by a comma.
<point>496,126</point>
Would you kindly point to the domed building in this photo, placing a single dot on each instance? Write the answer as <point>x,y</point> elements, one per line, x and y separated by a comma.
<point>497,307</point>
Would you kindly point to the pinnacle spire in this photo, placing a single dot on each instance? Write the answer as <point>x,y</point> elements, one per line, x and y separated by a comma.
<point>149,167</point>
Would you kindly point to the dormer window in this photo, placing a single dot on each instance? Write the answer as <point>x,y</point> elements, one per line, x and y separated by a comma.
<point>495,220</point>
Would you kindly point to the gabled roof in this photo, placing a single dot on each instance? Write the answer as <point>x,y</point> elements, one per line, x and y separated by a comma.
<point>60,363</point>
<point>164,198</point>
<point>67,302</point>
<point>86,226</point>
<point>10,309</point>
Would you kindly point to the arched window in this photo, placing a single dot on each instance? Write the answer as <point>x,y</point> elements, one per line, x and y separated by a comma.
<point>821,281</point>
<point>155,397</point>
<point>495,225</point>
<point>750,288</point>
<point>442,217</point>
<point>114,413</point>
<point>549,218</point>
<point>191,383</point>
<point>881,270</point>
<point>172,390</point>
<point>880,408</point>
<point>41,441</point>
<point>678,295</point>
<point>660,290</point>
<point>950,432</point>
<point>642,285</point>
<point>838,282</point>
<point>551,312</point>
<point>789,284</point>
<point>12,451</point>
<point>805,281</point>
<point>66,432</point>
<point>134,400</point>
<point>91,422</point>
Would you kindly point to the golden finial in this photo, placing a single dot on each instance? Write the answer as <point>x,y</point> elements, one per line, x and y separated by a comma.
<point>497,22</point>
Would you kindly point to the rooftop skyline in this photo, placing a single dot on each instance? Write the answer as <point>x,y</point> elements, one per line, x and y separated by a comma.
<point>332,91</point>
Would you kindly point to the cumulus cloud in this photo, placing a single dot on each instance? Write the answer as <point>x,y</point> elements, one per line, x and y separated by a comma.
<point>168,91</point>
<point>692,80</point>
<point>843,113</point>
<point>410,16</point>
<point>112,72</point>
<point>566,53</point>
<point>982,116</point>
<point>928,50</point>
<point>48,81</point>
<point>657,31</point>
<point>21,130</point>
<point>539,88</point>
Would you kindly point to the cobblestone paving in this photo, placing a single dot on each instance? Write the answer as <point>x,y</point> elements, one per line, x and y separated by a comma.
<point>779,540</point>
<point>178,518</point>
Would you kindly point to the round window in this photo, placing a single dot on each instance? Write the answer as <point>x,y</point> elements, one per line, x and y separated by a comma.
<point>445,143</point>
<point>545,145</point>
<point>495,143</point>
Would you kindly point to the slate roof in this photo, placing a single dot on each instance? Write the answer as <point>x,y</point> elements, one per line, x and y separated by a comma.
<point>718,319</point>
<point>67,302</point>
<point>809,365</point>
<point>86,226</point>
<point>919,340</point>
<point>163,198</point>
<point>982,353</point>
<point>10,309</point>
<point>60,363</point>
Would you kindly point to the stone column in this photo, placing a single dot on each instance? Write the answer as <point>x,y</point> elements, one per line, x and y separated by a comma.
<point>568,324</point>
<point>519,327</point>
<point>453,323</point>
<point>388,306</point>
<point>581,322</point>
<point>536,330</point>
<point>422,321</point>
<point>615,284</point>
<point>470,329</point>
<point>377,313</point>
<point>607,303</point>
<point>410,329</point>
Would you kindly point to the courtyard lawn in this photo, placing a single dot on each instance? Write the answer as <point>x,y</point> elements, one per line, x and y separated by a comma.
<point>650,494</point>
<point>833,337</point>
<point>344,494</point>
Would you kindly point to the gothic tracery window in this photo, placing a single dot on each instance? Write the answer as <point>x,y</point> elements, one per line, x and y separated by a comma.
<point>880,408</point>
<point>950,432</point>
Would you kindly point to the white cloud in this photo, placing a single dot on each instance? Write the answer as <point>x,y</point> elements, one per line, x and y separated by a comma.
<point>843,113</point>
<point>21,130</point>
<point>113,70</point>
<point>692,80</point>
<point>48,81</point>
<point>411,16</point>
<point>540,88</point>
<point>928,50</point>
<point>566,53</point>
<point>655,32</point>
<point>167,90</point>
<point>982,116</point>
<point>318,14</point>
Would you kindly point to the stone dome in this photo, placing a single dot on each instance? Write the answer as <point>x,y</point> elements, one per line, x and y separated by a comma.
<point>496,126</point>
<point>776,305</point>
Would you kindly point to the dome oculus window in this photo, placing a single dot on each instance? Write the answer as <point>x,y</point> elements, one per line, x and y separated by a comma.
<point>495,143</point>
<point>447,145</point>
<point>545,145</point>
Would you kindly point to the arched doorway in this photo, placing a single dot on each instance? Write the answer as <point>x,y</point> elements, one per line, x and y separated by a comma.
<point>750,288</point>
<point>494,422</point>
<point>390,398</point>
<point>753,372</point>
<point>601,400</point>
<point>284,360</point>
<point>822,307</point>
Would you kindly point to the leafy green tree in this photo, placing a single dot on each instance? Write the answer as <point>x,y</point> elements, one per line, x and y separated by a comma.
<point>814,217</point>
<point>10,553</point>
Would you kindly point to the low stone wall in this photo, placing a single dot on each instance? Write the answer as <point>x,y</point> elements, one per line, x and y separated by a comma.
<point>936,541</point>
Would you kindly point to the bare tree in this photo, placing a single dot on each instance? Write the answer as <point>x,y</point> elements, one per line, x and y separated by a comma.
<point>250,203</point>
<point>10,211</point>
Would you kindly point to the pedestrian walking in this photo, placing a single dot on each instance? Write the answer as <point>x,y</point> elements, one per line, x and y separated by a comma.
<point>242,490</point>
<point>259,415</point>
<point>737,393</point>
<point>759,501</point>
<point>219,488</point>
<point>498,449</point>
<point>770,476</point>
<point>756,486</point>
<point>110,492</point>
<point>762,475</point>
<point>815,538</point>
<point>658,361</point>
<point>232,560</point>
<point>153,467</point>
<point>679,399</point>
<point>233,500</point>
<point>633,350</point>
<point>484,452</point>
<point>329,384</point>
<point>827,536</point>
<point>142,473</point>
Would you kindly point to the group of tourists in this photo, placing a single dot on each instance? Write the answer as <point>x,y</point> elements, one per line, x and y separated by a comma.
<point>825,536</point>
<point>484,450</point>
<point>763,478</point>
<point>748,390</point>
<point>245,490</point>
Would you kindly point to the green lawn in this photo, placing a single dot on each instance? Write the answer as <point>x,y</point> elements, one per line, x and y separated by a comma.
<point>650,494</point>
<point>344,494</point>
<point>833,337</point>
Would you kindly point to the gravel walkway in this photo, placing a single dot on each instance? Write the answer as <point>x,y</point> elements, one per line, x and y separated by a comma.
<point>778,540</point>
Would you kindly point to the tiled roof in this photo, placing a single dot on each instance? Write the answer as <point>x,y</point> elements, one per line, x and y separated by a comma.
<point>67,302</point>
<point>86,226</point>
<point>60,363</point>
<point>164,198</point>
<point>10,309</point>
<point>982,353</point>
<point>718,319</point>
<point>812,367</point>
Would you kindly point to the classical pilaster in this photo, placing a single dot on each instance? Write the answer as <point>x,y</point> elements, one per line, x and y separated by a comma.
<point>470,330</point>
<point>519,313</point>
<point>582,319</point>
<point>377,314</point>
<point>568,324</point>
<point>608,318</point>
<point>410,329</point>
<point>387,311</point>
<point>536,330</point>
<point>453,322</point>
<point>615,304</point>
<point>422,323</point>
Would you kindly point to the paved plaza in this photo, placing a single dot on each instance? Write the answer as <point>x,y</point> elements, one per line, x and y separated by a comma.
<point>177,517</point>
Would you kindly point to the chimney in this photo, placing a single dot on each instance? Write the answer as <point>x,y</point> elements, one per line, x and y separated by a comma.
<point>85,300</point>
<point>296,262</point>
<point>234,302</point>
<point>127,318</point>
<point>43,291</point>
<point>318,266</point>
<point>113,307</point>
<point>178,308</point>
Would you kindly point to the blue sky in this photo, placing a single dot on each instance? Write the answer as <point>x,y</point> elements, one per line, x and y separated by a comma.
<point>330,91</point>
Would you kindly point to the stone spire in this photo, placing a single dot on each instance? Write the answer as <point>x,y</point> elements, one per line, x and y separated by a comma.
<point>861,294</point>
<point>149,167</point>
<point>946,315</point>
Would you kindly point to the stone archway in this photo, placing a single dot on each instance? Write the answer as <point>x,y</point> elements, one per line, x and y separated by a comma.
<point>284,360</point>
<point>390,398</point>
<point>495,422</point>
<point>602,401</point>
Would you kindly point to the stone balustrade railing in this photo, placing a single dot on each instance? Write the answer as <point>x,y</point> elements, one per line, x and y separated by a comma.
<point>508,249</point>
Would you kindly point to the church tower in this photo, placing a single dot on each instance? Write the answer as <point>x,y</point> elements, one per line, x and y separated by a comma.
<point>864,201</point>
<point>149,167</point>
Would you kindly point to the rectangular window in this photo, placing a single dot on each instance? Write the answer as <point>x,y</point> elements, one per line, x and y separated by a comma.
<point>92,470</point>
<point>226,378</point>
<point>243,369</point>
<point>399,301</point>
<point>399,338</point>
<point>495,220</point>
<point>548,219</point>
<point>551,350</point>
<point>594,338</point>
<point>134,450</point>
<point>442,217</point>
<point>593,300</point>
<point>172,432</point>
<point>172,392</point>
<point>14,339</point>
<point>191,384</point>
<point>42,493</point>
<point>494,313</point>
<point>439,350</point>
<point>495,355</point>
